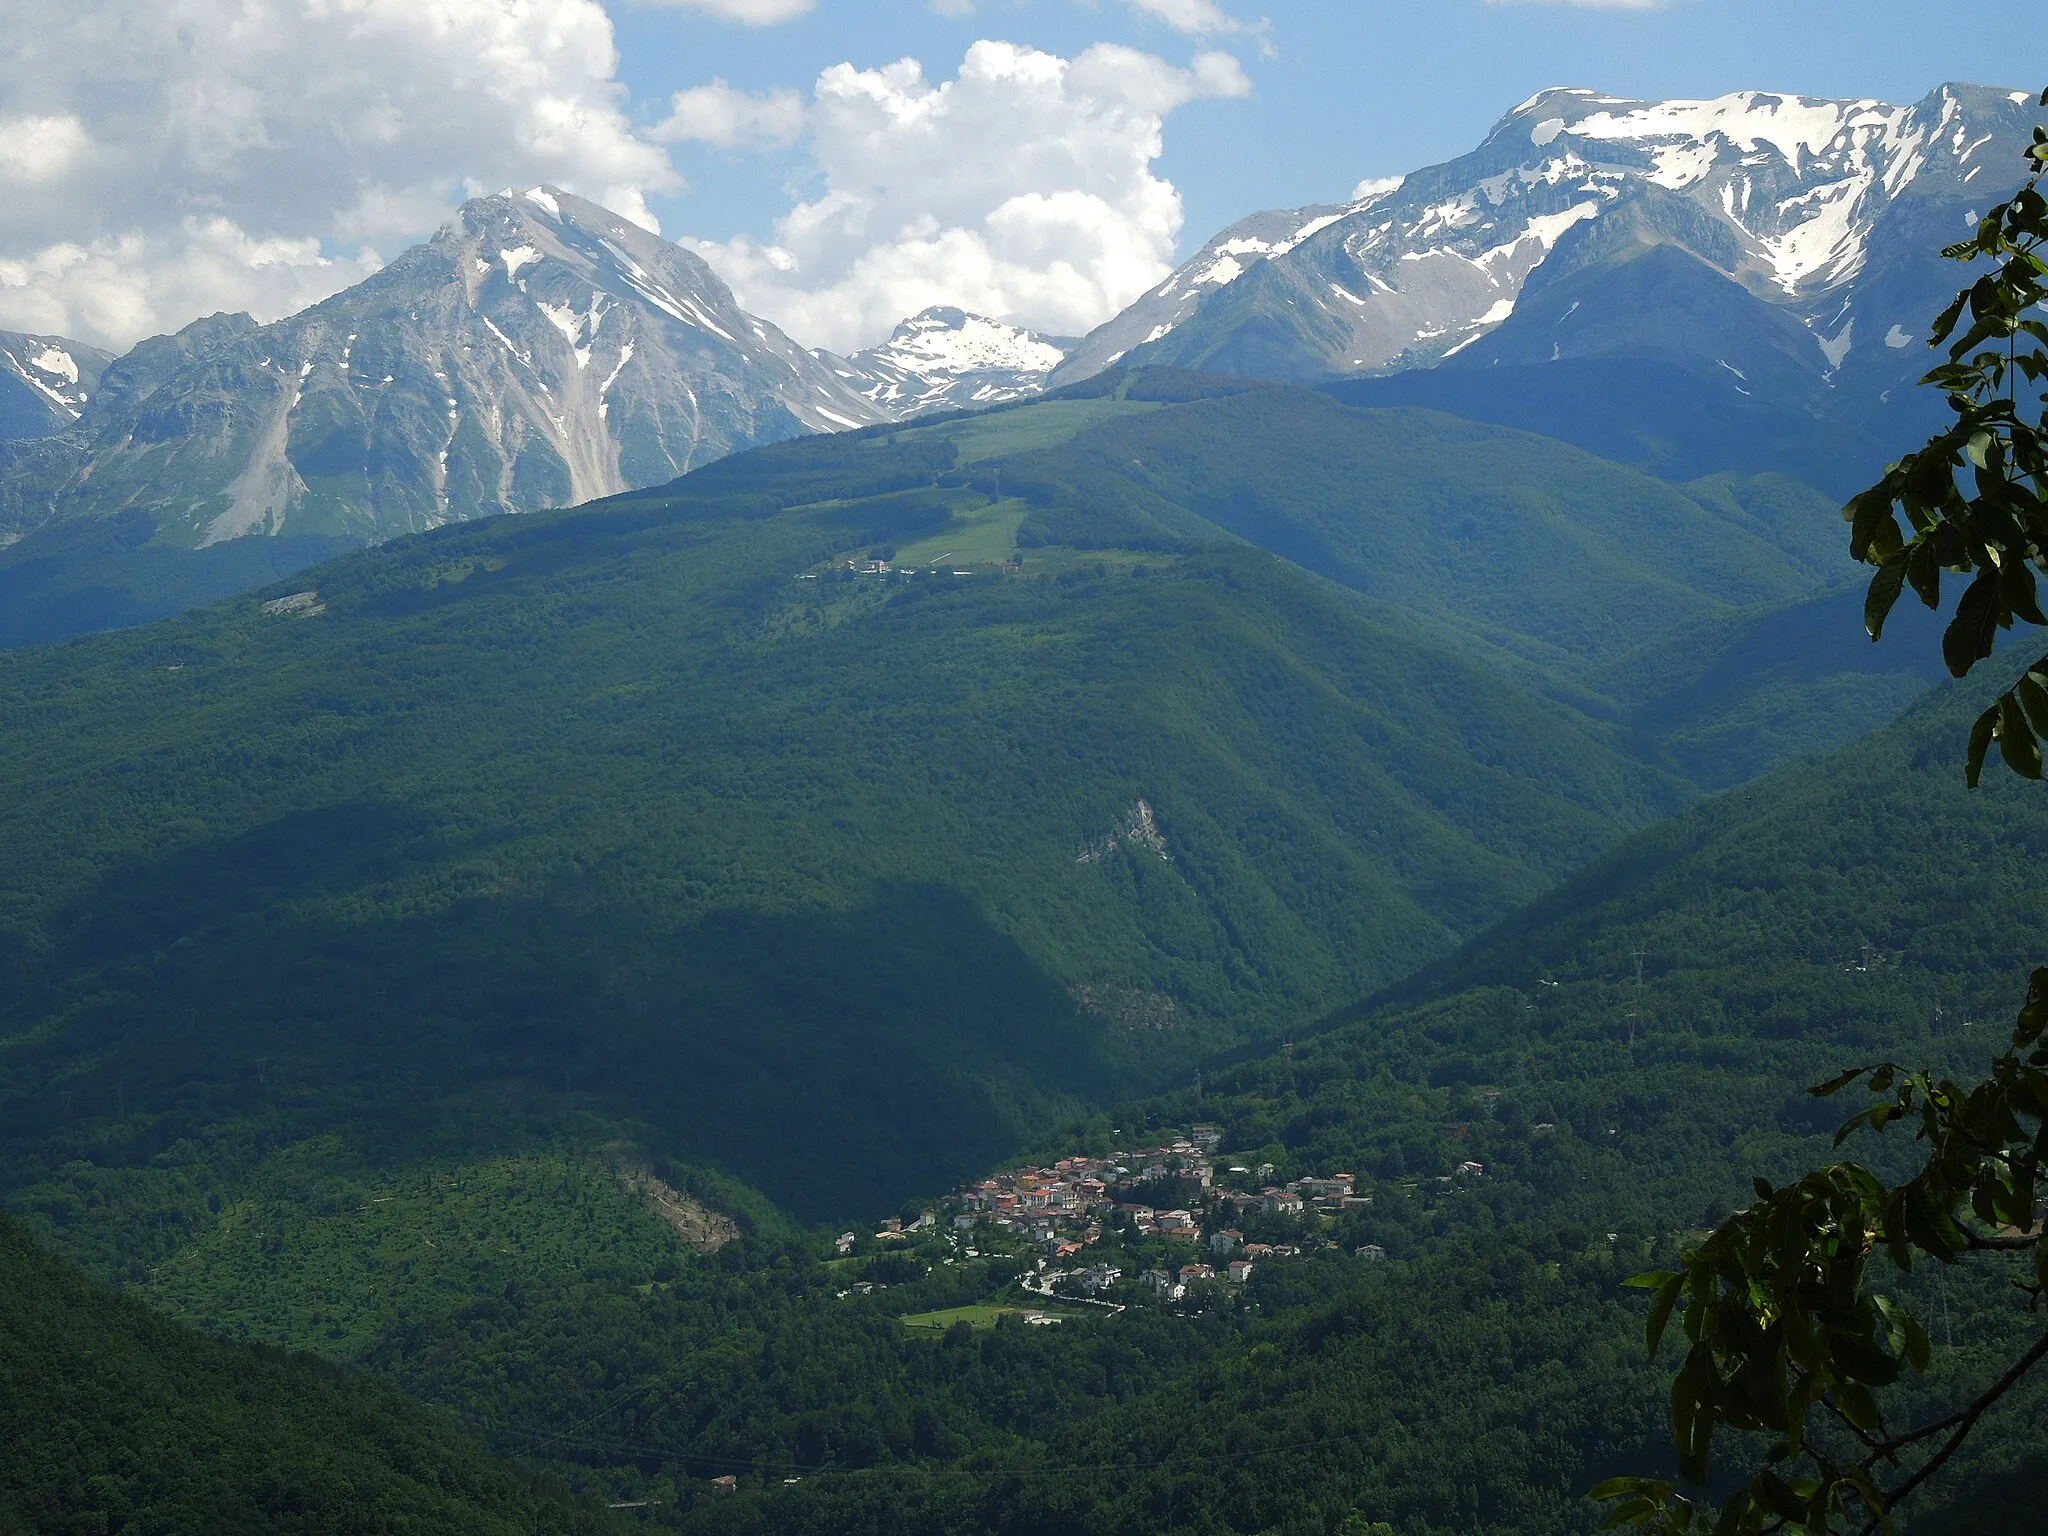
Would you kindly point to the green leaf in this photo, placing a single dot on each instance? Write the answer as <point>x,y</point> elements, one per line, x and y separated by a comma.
<point>1660,1311</point>
<point>1883,593</point>
<point>2033,698</point>
<point>1919,1349</point>
<point>1980,743</point>
<point>1776,1495</point>
<point>1973,631</point>
<point>2016,740</point>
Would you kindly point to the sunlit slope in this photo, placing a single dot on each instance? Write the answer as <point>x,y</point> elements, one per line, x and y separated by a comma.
<point>1562,558</point>
<point>117,1419</point>
<point>853,874</point>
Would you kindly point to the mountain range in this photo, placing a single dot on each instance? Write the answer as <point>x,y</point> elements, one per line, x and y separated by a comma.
<point>1829,214</point>
<point>1689,287</point>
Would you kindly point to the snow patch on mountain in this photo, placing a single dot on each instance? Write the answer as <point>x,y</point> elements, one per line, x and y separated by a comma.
<point>1783,194</point>
<point>539,351</point>
<point>45,382</point>
<point>948,359</point>
<point>1221,262</point>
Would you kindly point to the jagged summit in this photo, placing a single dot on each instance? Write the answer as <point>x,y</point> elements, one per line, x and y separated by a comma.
<point>945,359</point>
<point>538,351</point>
<point>1829,211</point>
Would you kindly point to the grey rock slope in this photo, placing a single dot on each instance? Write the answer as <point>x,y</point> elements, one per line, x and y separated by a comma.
<point>1802,234</point>
<point>1218,264</point>
<point>947,359</point>
<point>539,351</point>
<point>45,382</point>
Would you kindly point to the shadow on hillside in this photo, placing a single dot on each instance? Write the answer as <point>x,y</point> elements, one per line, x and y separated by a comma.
<point>104,573</point>
<point>841,1061</point>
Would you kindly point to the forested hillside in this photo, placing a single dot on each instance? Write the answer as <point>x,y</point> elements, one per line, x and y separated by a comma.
<point>682,809</point>
<point>115,1419</point>
<point>427,964</point>
<point>1480,1377</point>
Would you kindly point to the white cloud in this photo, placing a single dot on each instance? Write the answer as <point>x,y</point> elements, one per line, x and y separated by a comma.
<point>1021,189</point>
<point>1196,17</point>
<point>1205,18</point>
<point>748,13</point>
<point>40,149</point>
<point>718,114</point>
<point>166,158</point>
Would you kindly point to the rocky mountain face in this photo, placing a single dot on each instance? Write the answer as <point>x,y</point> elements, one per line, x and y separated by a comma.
<point>45,382</point>
<point>1791,242</point>
<point>1217,265</point>
<point>946,359</point>
<point>539,351</point>
<point>1739,284</point>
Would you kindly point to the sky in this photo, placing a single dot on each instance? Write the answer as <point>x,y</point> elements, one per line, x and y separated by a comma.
<point>841,163</point>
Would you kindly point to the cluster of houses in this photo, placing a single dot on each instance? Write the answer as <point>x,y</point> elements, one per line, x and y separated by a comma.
<point>1063,1208</point>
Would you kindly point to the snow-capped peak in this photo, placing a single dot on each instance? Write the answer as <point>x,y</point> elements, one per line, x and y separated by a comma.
<point>1784,194</point>
<point>945,359</point>
<point>941,340</point>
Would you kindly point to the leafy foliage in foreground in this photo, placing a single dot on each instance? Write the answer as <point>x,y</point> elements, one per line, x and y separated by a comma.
<point>1996,380</point>
<point>1789,1338</point>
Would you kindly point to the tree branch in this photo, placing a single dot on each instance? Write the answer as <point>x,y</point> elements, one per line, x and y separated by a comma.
<point>1964,1422</point>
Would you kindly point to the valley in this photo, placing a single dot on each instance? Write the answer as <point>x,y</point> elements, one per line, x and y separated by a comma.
<point>614,921</point>
<point>724,831</point>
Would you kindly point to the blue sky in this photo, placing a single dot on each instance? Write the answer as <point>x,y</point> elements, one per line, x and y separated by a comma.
<point>1043,161</point>
<point>1352,89</point>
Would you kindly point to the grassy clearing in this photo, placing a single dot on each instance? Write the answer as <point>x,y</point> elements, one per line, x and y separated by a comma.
<point>980,1316</point>
<point>1044,425</point>
<point>981,536</point>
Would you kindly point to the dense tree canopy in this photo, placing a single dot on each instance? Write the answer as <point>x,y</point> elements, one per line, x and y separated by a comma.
<point>1790,1309</point>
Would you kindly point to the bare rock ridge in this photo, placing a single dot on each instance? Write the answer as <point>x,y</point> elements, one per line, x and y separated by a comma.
<point>695,1223</point>
<point>539,351</point>
<point>1820,219</point>
<point>1218,264</point>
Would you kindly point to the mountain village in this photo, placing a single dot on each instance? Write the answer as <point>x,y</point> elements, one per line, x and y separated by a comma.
<point>1053,1215</point>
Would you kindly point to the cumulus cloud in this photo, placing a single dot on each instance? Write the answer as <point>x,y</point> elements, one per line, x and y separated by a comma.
<point>748,13</point>
<point>718,114</point>
<point>1022,189</point>
<point>165,158</point>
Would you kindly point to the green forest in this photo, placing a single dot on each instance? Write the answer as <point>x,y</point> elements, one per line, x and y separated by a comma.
<point>857,816</point>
